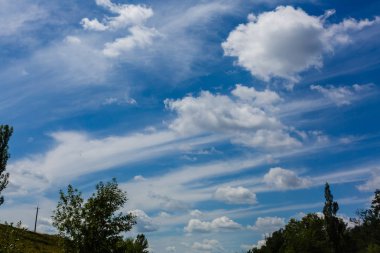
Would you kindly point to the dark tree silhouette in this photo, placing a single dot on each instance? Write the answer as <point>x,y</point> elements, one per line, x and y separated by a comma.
<point>5,134</point>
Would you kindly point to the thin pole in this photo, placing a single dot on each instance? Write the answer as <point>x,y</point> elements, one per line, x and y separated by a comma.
<point>35,223</point>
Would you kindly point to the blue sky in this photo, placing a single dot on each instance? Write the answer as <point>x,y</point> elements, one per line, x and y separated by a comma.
<point>221,119</point>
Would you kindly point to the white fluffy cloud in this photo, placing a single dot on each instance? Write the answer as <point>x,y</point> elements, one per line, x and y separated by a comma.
<point>286,41</point>
<point>128,16</point>
<point>207,245</point>
<point>268,224</point>
<point>246,117</point>
<point>372,183</point>
<point>343,95</point>
<point>144,223</point>
<point>264,98</point>
<point>285,179</point>
<point>238,195</point>
<point>219,224</point>
<point>139,37</point>
<point>93,24</point>
<point>196,213</point>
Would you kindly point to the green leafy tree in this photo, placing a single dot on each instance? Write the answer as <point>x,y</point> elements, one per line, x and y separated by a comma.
<point>372,215</point>
<point>366,234</point>
<point>273,243</point>
<point>5,134</point>
<point>92,226</point>
<point>306,235</point>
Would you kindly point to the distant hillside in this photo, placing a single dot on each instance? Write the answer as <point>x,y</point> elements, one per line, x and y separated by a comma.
<point>13,239</point>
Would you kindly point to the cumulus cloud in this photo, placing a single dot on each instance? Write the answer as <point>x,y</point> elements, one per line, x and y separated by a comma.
<point>259,98</point>
<point>245,119</point>
<point>286,41</point>
<point>238,195</point>
<point>196,213</point>
<point>372,183</point>
<point>285,179</point>
<point>343,95</point>
<point>219,224</point>
<point>144,223</point>
<point>268,224</point>
<point>93,25</point>
<point>139,37</point>
<point>207,246</point>
<point>128,16</point>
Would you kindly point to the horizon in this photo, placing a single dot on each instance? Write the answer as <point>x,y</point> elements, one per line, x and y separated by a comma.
<point>221,119</point>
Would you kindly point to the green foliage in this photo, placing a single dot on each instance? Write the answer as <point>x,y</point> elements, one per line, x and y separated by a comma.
<point>138,245</point>
<point>366,235</point>
<point>93,226</point>
<point>328,234</point>
<point>307,235</point>
<point>373,248</point>
<point>5,134</point>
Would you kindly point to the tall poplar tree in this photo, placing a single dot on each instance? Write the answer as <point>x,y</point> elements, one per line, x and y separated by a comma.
<point>335,227</point>
<point>5,134</point>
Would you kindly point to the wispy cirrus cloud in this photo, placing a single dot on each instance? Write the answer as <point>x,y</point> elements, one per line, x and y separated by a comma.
<point>77,154</point>
<point>372,183</point>
<point>19,16</point>
<point>343,95</point>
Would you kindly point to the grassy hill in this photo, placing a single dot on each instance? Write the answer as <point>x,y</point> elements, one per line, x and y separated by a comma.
<point>13,239</point>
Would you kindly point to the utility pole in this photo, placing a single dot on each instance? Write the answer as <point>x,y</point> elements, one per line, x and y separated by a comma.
<point>35,223</point>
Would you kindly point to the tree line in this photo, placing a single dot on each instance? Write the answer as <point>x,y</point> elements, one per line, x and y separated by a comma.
<point>328,233</point>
